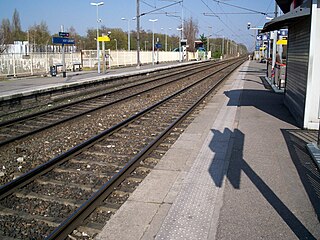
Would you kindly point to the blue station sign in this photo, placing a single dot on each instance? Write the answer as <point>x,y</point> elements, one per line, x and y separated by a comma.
<point>63,41</point>
<point>63,34</point>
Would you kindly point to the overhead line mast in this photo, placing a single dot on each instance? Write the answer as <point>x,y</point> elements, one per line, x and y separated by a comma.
<point>138,34</point>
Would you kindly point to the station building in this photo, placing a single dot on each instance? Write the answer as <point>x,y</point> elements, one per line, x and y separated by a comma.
<point>302,90</point>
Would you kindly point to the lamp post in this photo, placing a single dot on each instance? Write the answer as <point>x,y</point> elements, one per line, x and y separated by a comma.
<point>145,45</point>
<point>128,32</point>
<point>98,20</point>
<point>153,21</point>
<point>222,51</point>
<point>116,44</point>
<point>166,39</point>
<point>208,41</point>
<point>180,37</point>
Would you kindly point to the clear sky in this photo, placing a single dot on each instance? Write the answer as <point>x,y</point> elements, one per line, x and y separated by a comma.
<point>81,15</point>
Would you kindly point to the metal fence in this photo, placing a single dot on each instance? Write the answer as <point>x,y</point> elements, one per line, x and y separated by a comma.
<point>13,64</point>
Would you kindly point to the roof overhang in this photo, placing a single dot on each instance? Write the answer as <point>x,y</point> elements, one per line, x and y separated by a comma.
<point>286,19</point>
<point>284,5</point>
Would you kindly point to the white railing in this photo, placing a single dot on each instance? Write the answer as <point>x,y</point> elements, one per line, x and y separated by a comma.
<point>127,58</point>
<point>14,64</point>
<point>39,63</point>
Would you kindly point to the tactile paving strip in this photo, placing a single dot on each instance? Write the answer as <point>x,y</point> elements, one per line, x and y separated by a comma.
<point>191,214</point>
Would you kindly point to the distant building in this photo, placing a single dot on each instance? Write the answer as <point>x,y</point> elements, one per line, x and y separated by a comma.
<point>24,48</point>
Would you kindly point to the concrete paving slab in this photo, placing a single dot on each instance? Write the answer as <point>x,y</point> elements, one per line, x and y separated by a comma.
<point>187,140</point>
<point>148,193</point>
<point>176,159</point>
<point>176,188</point>
<point>129,223</point>
<point>153,228</point>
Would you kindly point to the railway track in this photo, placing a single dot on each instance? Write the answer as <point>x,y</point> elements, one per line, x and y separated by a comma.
<point>23,105</point>
<point>21,156</point>
<point>27,125</point>
<point>82,187</point>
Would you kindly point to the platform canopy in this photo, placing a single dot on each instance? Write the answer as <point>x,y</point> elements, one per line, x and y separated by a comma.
<point>286,19</point>
<point>284,5</point>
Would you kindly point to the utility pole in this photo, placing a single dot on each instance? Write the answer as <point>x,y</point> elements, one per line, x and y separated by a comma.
<point>275,33</point>
<point>138,34</point>
<point>222,51</point>
<point>64,74</point>
<point>228,48</point>
<point>182,21</point>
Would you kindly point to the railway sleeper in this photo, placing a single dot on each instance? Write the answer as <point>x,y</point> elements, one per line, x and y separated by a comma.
<point>77,178</point>
<point>140,172</point>
<point>53,199</point>
<point>50,221</point>
<point>90,167</point>
<point>164,147</point>
<point>91,229</point>
<point>102,157</point>
<point>59,190</point>
<point>115,199</point>
<point>40,209</point>
<point>142,132</point>
<point>88,188</point>
<point>35,123</point>
<point>157,154</point>
<point>129,184</point>
<point>4,136</point>
<point>116,151</point>
<point>29,126</point>
<point>90,162</point>
<point>16,129</point>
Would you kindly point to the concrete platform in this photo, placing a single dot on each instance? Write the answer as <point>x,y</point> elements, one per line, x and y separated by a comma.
<point>239,171</point>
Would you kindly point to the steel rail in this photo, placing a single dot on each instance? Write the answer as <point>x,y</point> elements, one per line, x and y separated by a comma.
<point>18,137</point>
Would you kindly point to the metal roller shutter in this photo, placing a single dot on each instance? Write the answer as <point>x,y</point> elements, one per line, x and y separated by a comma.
<point>297,68</point>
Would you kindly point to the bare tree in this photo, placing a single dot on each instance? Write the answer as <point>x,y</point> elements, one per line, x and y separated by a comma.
<point>5,34</point>
<point>72,31</point>
<point>190,30</point>
<point>39,34</point>
<point>2,42</point>
<point>17,33</point>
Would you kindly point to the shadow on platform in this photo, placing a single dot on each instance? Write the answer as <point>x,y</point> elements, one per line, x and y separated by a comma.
<point>309,174</point>
<point>266,101</point>
<point>238,166</point>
